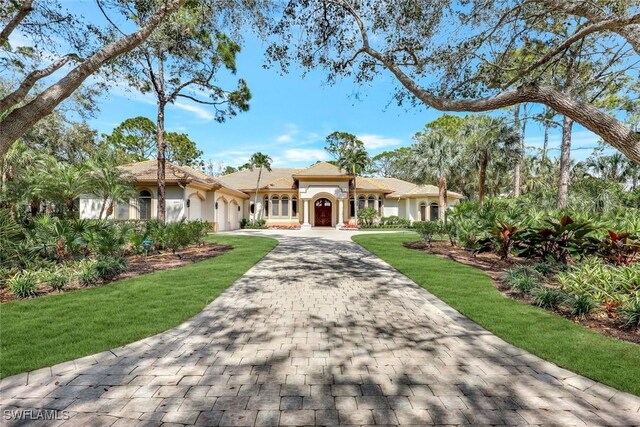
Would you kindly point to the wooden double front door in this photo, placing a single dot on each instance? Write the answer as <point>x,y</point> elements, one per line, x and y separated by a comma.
<point>322,213</point>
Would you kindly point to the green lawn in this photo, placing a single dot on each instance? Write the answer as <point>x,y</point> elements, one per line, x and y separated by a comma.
<point>48,330</point>
<point>547,335</point>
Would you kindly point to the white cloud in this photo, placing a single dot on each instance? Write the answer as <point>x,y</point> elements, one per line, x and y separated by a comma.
<point>198,111</point>
<point>284,138</point>
<point>309,155</point>
<point>373,141</point>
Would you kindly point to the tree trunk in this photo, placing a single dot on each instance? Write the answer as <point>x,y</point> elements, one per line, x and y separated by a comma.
<point>161,165</point>
<point>20,120</point>
<point>545,144</point>
<point>442,195</point>
<point>255,201</point>
<point>516,172</point>
<point>565,163</point>
<point>484,164</point>
<point>103,206</point>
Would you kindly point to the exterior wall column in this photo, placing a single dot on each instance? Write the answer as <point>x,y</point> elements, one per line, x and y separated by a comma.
<point>408,209</point>
<point>340,213</point>
<point>306,223</point>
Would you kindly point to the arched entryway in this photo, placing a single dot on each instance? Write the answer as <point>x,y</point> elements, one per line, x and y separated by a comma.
<point>322,213</point>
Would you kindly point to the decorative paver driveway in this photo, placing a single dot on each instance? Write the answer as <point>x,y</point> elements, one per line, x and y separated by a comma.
<point>318,333</point>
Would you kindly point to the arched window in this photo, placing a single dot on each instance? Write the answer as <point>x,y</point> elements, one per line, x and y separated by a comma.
<point>352,207</point>
<point>371,202</point>
<point>434,212</point>
<point>275,206</point>
<point>361,202</point>
<point>294,207</point>
<point>285,206</point>
<point>423,211</point>
<point>252,208</point>
<point>144,202</point>
<point>266,206</point>
<point>380,210</point>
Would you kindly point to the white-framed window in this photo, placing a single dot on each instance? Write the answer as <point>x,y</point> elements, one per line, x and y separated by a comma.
<point>380,210</point>
<point>434,211</point>
<point>362,201</point>
<point>294,207</point>
<point>285,206</point>
<point>275,206</point>
<point>122,211</point>
<point>144,205</point>
<point>266,206</point>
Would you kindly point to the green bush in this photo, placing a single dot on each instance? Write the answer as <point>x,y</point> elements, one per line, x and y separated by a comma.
<point>58,279</point>
<point>395,221</point>
<point>109,267</point>
<point>549,298</point>
<point>427,229</point>
<point>581,305</point>
<point>367,216</point>
<point>600,281</point>
<point>631,312</point>
<point>24,284</point>
<point>522,279</point>
<point>87,273</point>
<point>257,224</point>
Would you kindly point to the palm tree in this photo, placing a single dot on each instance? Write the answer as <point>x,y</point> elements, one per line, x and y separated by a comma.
<point>107,182</point>
<point>68,182</point>
<point>260,161</point>
<point>489,140</point>
<point>435,154</point>
<point>350,155</point>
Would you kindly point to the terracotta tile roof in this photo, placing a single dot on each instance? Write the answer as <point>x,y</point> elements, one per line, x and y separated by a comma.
<point>281,183</point>
<point>403,189</point>
<point>147,171</point>
<point>321,169</point>
<point>246,179</point>
<point>371,184</point>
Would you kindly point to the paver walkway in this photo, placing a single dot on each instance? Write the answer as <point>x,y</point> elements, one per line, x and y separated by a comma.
<point>318,333</point>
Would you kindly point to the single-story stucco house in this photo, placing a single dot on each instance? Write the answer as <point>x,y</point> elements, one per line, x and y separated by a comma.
<point>321,195</point>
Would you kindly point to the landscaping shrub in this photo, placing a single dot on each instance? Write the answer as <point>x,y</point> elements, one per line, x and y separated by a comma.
<point>109,267</point>
<point>367,216</point>
<point>581,305</point>
<point>257,224</point>
<point>559,240</point>
<point>87,273</point>
<point>604,283</point>
<point>500,240</point>
<point>522,279</point>
<point>58,279</point>
<point>631,312</point>
<point>427,229</point>
<point>549,298</point>
<point>395,221</point>
<point>24,284</point>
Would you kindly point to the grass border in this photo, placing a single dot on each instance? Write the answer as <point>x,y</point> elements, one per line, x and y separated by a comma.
<point>547,335</point>
<point>43,331</point>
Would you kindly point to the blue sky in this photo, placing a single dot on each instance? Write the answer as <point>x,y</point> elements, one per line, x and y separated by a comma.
<point>290,116</point>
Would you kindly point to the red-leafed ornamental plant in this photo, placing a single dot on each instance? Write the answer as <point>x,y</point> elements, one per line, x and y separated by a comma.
<point>620,248</point>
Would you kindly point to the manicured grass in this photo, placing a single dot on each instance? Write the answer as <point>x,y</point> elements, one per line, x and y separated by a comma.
<point>545,334</point>
<point>48,330</point>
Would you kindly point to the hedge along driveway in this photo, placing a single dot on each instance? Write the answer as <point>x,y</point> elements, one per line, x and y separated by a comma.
<point>545,334</point>
<point>40,332</point>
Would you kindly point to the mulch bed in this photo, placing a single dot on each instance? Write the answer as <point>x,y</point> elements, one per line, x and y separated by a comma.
<point>494,267</point>
<point>139,264</point>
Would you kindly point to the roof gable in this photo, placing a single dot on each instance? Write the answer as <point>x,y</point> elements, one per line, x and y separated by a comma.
<point>321,169</point>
